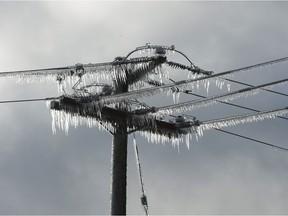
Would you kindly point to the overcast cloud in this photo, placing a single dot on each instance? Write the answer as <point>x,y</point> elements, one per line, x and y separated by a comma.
<point>42,173</point>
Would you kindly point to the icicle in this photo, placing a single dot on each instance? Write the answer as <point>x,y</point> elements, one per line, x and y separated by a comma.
<point>177,97</point>
<point>228,87</point>
<point>64,120</point>
<point>174,97</point>
<point>206,85</point>
<point>187,137</point>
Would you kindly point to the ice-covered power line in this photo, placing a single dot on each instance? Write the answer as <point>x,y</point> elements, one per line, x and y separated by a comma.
<point>28,100</point>
<point>190,105</point>
<point>231,104</point>
<point>235,120</point>
<point>246,84</point>
<point>183,84</point>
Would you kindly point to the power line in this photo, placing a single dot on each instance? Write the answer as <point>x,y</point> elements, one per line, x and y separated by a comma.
<point>254,140</point>
<point>231,104</point>
<point>234,120</point>
<point>28,100</point>
<point>250,139</point>
<point>268,90</point>
<point>189,105</point>
<point>227,132</point>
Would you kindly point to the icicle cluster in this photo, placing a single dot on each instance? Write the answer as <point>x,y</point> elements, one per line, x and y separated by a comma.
<point>159,138</point>
<point>63,120</point>
<point>176,141</point>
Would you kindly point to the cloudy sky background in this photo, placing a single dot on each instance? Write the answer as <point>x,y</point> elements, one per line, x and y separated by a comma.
<point>42,173</point>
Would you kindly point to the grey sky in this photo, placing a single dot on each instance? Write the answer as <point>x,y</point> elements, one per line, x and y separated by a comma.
<point>42,173</point>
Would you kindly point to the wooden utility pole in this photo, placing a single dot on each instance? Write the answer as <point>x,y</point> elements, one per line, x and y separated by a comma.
<point>119,161</point>
<point>119,171</point>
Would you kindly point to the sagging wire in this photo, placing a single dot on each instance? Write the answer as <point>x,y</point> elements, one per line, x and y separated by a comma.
<point>143,196</point>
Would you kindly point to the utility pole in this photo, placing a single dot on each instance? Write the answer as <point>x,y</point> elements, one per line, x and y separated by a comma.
<point>119,161</point>
<point>113,107</point>
<point>119,171</point>
<point>122,118</point>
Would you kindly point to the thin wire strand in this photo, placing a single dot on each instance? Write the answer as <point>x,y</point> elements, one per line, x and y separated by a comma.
<point>254,140</point>
<point>246,84</point>
<point>28,100</point>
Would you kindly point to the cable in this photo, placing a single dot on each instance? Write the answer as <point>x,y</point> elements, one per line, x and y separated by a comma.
<point>231,104</point>
<point>234,120</point>
<point>254,140</point>
<point>28,100</point>
<point>227,103</point>
<point>189,105</point>
<point>268,90</point>
<point>69,70</point>
<point>143,197</point>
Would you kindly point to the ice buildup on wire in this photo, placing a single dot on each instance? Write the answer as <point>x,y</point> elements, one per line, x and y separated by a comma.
<point>231,121</point>
<point>191,105</point>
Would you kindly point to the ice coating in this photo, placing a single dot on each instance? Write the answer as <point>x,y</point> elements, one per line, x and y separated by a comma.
<point>225,122</point>
<point>136,72</point>
<point>182,85</point>
<point>191,105</point>
<point>105,71</point>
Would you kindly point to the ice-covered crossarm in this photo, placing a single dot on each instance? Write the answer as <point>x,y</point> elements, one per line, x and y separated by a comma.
<point>235,120</point>
<point>192,105</point>
<point>68,71</point>
<point>115,70</point>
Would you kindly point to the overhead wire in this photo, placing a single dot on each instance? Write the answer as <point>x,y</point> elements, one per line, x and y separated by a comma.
<point>231,104</point>
<point>28,100</point>
<point>227,103</point>
<point>246,84</point>
<point>189,105</point>
<point>243,107</point>
<point>254,140</point>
